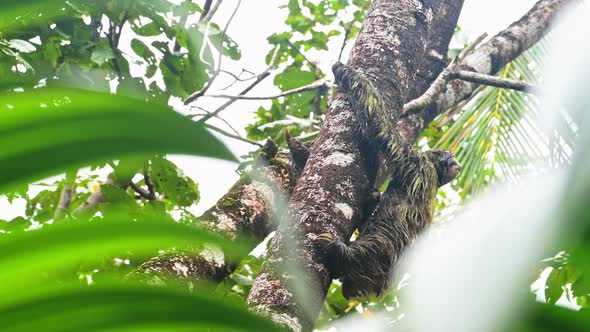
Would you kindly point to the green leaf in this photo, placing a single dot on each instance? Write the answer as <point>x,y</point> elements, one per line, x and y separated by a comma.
<point>14,12</point>
<point>148,30</point>
<point>143,51</point>
<point>16,224</point>
<point>52,129</point>
<point>169,179</point>
<point>26,256</point>
<point>126,168</point>
<point>118,201</point>
<point>544,317</point>
<point>42,207</point>
<point>102,55</point>
<point>294,7</point>
<point>553,287</point>
<point>496,136</point>
<point>292,78</point>
<point>581,287</point>
<point>126,307</point>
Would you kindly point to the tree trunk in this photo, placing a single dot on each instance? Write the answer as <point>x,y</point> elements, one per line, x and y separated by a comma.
<point>434,61</point>
<point>329,195</point>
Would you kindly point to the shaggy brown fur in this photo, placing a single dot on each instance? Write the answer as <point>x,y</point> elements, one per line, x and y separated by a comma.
<point>405,207</point>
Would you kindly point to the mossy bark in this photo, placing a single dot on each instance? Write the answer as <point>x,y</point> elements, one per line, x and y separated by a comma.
<point>245,210</point>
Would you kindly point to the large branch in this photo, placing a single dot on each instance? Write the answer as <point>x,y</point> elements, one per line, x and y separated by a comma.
<point>488,59</point>
<point>433,63</point>
<point>328,198</point>
<point>246,209</point>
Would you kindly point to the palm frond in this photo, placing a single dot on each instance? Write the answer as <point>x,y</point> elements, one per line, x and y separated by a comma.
<point>497,135</point>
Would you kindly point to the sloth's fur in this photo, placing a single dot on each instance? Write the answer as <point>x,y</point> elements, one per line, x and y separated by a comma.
<point>406,206</point>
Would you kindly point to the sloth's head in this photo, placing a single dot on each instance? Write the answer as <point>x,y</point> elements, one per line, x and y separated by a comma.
<point>447,167</point>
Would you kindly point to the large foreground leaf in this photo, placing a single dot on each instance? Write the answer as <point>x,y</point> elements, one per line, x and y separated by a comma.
<point>45,131</point>
<point>27,12</point>
<point>55,249</point>
<point>32,300</point>
<point>126,308</point>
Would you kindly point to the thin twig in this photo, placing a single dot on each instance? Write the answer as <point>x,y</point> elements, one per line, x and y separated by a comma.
<point>120,28</point>
<point>313,86</point>
<point>253,73</point>
<point>467,50</point>
<point>139,190</point>
<point>113,38</point>
<point>200,93</point>
<point>496,81</point>
<point>205,112</point>
<point>212,11</point>
<point>311,63</point>
<point>237,78</point>
<point>150,184</point>
<point>346,34</point>
<point>234,98</point>
<point>440,84</point>
<point>230,135</point>
<point>427,98</point>
<point>259,79</point>
<point>206,9</point>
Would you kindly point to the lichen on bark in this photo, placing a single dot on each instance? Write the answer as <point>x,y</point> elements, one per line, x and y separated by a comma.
<point>246,210</point>
<point>387,50</point>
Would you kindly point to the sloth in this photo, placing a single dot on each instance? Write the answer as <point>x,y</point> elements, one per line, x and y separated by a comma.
<point>404,209</point>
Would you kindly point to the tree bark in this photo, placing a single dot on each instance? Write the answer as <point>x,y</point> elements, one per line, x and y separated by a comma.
<point>433,63</point>
<point>489,58</point>
<point>329,195</point>
<point>246,210</point>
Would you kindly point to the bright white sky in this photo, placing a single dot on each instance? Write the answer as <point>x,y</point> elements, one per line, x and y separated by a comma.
<point>250,28</point>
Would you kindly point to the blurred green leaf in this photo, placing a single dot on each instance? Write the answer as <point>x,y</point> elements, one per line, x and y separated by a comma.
<point>546,318</point>
<point>292,78</point>
<point>555,282</point>
<point>125,307</point>
<point>102,55</point>
<point>51,129</point>
<point>26,256</point>
<point>118,201</point>
<point>169,179</point>
<point>149,29</point>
